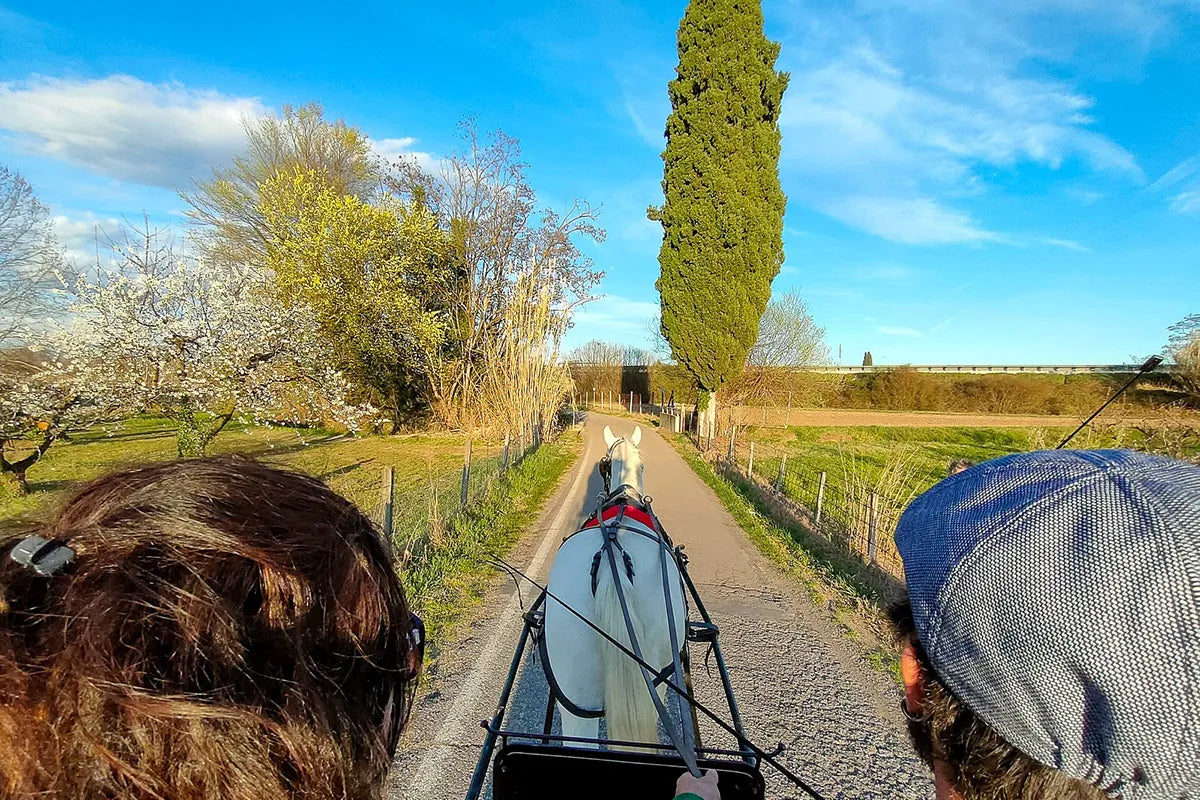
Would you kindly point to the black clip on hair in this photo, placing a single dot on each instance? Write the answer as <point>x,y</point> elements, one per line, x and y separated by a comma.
<point>44,556</point>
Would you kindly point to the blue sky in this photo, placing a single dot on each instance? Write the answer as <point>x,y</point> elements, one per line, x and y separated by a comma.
<point>1011,182</point>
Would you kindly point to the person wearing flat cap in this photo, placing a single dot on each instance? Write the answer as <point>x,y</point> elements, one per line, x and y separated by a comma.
<point>1051,639</point>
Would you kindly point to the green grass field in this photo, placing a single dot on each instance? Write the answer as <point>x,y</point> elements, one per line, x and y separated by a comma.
<point>352,466</point>
<point>894,464</point>
<point>871,450</point>
<point>922,454</point>
<point>440,547</point>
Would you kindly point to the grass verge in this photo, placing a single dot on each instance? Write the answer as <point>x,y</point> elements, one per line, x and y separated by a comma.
<point>352,466</point>
<point>446,579</point>
<point>835,580</point>
<point>451,579</point>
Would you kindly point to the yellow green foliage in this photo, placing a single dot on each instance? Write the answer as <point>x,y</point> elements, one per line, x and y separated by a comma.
<point>300,139</point>
<point>376,276</point>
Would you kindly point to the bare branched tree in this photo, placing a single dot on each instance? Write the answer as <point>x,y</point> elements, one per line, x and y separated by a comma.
<point>1184,350</point>
<point>787,335</point>
<point>227,207</point>
<point>499,238</point>
<point>600,354</point>
<point>29,255</point>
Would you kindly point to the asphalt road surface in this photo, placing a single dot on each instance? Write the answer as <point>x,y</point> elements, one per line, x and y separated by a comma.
<point>795,677</point>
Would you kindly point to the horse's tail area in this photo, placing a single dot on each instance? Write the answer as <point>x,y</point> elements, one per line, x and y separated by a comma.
<point>628,708</point>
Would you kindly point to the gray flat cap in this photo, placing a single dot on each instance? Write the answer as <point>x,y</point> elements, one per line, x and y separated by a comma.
<point>1057,595</point>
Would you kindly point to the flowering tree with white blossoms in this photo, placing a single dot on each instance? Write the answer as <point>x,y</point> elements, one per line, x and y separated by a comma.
<point>197,342</point>
<point>40,400</point>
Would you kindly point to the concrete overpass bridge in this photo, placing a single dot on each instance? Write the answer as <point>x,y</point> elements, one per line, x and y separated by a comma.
<point>981,369</point>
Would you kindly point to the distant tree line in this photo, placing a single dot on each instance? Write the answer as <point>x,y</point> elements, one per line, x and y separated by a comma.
<point>898,389</point>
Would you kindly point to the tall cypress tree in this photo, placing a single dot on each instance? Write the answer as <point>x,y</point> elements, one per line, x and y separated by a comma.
<point>723,216</point>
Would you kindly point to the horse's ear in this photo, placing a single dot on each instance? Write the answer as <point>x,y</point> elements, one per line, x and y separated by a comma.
<point>609,438</point>
<point>636,438</point>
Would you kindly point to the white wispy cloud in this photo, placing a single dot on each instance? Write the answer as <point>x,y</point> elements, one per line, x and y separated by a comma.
<point>615,318</point>
<point>1183,183</point>
<point>916,106</point>
<point>1066,244</point>
<point>83,238</point>
<point>1177,174</point>
<point>942,325</point>
<point>164,135</point>
<point>402,147</point>
<point>1186,203</point>
<point>859,113</point>
<point>650,135</point>
<point>154,134</point>
<point>909,220</point>
<point>1086,196</point>
<point>890,330</point>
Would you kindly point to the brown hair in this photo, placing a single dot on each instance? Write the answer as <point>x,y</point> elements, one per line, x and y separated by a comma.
<point>982,765</point>
<point>227,631</point>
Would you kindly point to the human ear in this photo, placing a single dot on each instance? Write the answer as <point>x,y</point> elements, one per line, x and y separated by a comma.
<point>913,675</point>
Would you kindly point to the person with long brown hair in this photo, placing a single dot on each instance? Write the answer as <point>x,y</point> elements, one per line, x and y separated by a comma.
<point>214,629</point>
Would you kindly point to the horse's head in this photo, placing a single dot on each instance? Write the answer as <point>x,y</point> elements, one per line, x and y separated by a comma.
<point>626,465</point>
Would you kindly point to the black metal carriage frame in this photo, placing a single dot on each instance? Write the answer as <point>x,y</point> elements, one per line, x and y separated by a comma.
<point>538,766</point>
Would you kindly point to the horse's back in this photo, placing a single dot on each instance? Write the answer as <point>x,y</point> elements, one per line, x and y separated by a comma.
<point>572,648</point>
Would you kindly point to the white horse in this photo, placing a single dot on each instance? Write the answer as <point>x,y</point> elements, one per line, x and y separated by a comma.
<point>591,675</point>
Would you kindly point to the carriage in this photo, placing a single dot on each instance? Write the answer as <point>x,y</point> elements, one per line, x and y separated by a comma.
<point>541,764</point>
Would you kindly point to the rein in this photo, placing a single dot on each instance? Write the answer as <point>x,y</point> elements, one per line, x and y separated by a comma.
<point>670,683</point>
<point>627,496</point>
<point>624,496</point>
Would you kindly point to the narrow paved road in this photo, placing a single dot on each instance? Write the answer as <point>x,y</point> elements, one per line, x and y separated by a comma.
<point>796,678</point>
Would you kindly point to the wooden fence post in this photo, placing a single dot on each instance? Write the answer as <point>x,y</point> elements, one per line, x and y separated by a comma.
<point>750,468</point>
<point>820,497</point>
<point>466,473</point>
<point>389,486</point>
<point>631,402</point>
<point>787,417</point>
<point>782,472</point>
<point>504,463</point>
<point>732,437</point>
<point>873,528</point>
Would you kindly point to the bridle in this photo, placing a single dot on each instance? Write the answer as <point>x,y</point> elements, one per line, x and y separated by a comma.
<point>606,466</point>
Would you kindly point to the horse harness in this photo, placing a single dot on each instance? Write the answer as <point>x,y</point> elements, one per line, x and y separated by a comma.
<point>632,507</point>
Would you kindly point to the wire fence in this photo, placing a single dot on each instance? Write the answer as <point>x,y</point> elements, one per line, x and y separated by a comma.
<point>629,402</point>
<point>769,411</point>
<point>417,502</point>
<point>855,505</point>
